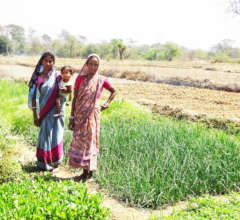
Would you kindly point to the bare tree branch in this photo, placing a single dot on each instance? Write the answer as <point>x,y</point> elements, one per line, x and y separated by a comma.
<point>234,6</point>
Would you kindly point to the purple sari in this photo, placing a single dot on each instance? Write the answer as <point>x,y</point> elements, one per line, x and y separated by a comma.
<point>50,138</point>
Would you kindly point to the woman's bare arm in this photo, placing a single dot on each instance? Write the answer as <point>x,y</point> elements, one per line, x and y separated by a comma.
<point>111,97</point>
<point>34,108</point>
<point>71,118</point>
<point>70,93</point>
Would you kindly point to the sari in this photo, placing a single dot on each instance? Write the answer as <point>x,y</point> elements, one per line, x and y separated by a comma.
<point>84,147</point>
<point>50,137</point>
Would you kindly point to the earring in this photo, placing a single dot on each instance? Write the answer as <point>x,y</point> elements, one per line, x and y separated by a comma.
<point>41,69</point>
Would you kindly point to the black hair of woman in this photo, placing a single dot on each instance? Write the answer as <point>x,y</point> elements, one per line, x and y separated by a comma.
<point>37,68</point>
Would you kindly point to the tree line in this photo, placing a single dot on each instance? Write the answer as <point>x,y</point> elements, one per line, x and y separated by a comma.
<point>14,40</point>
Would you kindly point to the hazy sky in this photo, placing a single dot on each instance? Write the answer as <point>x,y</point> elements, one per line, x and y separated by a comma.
<point>189,23</point>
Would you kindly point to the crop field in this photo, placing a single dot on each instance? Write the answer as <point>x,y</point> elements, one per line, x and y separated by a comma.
<point>195,73</point>
<point>182,100</point>
<point>147,160</point>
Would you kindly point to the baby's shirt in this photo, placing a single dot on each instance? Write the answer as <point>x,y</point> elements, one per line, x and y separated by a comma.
<point>61,85</point>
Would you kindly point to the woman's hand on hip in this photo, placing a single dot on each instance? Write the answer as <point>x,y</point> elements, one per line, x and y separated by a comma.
<point>103,107</point>
<point>71,124</point>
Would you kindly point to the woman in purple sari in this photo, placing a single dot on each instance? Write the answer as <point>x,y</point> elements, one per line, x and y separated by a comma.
<point>50,138</point>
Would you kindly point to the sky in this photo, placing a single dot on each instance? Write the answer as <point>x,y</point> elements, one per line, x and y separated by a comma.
<point>190,23</point>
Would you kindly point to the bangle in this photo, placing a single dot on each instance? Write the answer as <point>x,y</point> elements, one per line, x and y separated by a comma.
<point>71,117</point>
<point>34,107</point>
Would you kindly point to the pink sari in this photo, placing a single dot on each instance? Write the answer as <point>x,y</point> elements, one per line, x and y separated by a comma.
<point>84,147</point>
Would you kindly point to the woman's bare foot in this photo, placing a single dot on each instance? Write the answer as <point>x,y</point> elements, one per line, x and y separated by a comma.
<point>90,174</point>
<point>83,177</point>
<point>55,170</point>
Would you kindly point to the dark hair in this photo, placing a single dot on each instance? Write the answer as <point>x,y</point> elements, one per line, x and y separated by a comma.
<point>67,67</point>
<point>37,68</point>
<point>45,55</point>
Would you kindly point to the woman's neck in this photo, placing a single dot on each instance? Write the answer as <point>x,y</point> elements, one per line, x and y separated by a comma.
<point>45,72</point>
<point>91,76</point>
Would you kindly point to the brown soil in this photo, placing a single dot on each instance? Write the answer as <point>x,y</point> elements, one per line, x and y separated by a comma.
<point>180,101</point>
<point>177,101</point>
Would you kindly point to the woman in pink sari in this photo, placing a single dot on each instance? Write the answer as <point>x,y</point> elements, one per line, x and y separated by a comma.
<point>85,116</point>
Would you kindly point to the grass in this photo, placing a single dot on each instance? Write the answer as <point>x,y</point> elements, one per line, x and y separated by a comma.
<point>150,162</point>
<point>147,160</point>
<point>207,207</point>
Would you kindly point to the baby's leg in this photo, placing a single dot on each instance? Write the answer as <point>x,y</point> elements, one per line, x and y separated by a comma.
<point>58,106</point>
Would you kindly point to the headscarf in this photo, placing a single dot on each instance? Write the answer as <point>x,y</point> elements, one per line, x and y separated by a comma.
<point>37,69</point>
<point>87,94</point>
<point>83,72</point>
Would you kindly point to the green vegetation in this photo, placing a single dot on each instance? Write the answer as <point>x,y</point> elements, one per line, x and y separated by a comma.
<point>10,169</point>
<point>208,207</point>
<point>13,40</point>
<point>150,162</point>
<point>43,198</point>
<point>14,109</point>
<point>147,160</point>
<point>29,196</point>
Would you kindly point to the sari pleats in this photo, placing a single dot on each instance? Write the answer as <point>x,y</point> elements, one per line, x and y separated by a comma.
<point>84,147</point>
<point>50,138</point>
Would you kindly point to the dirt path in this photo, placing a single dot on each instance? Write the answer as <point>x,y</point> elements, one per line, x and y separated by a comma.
<point>164,99</point>
<point>120,211</point>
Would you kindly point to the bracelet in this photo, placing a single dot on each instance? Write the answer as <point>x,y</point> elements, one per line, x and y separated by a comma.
<point>71,117</point>
<point>34,107</point>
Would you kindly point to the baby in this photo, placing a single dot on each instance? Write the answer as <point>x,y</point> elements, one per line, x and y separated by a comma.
<point>65,89</point>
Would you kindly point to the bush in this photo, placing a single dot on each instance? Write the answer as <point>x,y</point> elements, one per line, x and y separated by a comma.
<point>10,170</point>
<point>46,199</point>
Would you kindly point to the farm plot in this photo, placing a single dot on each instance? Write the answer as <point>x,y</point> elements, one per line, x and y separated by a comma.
<point>177,101</point>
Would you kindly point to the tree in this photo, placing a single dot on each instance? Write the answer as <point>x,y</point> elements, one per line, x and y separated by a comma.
<point>1,30</point>
<point>82,38</point>
<point>72,45</point>
<point>225,49</point>
<point>47,42</point>
<point>234,6</point>
<point>90,48</point>
<point>172,51</point>
<point>197,54</point>
<point>121,48</point>
<point>118,48</point>
<point>114,48</point>
<point>4,45</point>
<point>104,50</point>
<point>35,46</point>
<point>17,35</point>
<point>151,54</point>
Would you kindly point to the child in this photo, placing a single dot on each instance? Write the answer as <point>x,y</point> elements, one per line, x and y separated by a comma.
<point>65,89</point>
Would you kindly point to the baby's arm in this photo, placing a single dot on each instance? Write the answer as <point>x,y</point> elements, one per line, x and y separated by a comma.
<point>70,92</point>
